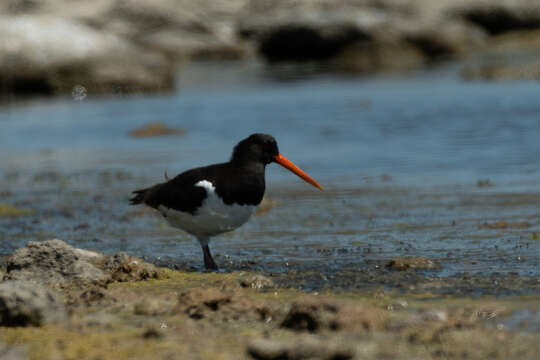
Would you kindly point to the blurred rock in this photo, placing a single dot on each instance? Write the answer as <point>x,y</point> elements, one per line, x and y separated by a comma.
<point>312,315</point>
<point>501,224</point>
<point>133,46</point>
<point>57,264</point>
<point>357,36</point>
<point>318,314</point>
<point>222,305</point>
<point>12,353</point>
<point>502,72</point>
<point>50,55</point>
<point>149,306</point>
<point>304,347</point>
<point>257,281</point>
<point>25,303</point>
<point>512,56</point>
<point>484,183</point>
<point>500,16</point>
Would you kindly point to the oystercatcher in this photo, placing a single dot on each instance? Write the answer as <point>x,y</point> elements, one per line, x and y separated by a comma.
<point>215,199</point>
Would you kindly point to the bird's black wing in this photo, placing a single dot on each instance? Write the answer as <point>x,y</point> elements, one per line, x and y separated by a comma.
<point>179,193</point>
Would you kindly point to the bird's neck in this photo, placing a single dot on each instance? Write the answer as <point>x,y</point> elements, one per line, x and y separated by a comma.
<point>250,165</point>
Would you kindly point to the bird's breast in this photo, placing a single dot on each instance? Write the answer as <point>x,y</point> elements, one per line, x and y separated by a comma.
<point>213,217</point>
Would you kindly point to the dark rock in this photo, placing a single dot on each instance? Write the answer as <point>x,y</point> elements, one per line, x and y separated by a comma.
<point>499,17</point>
<point>311,315</point>
<point>411,263</point>
<point>152,333</point>
<point>306,347</point>
<point>297,42</point>
<point>24,303</point>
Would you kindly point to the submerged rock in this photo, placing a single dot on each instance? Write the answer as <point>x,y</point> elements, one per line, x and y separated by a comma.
<point>57,264</point>
<point>412,263</point>
<point>156,129</point>
<point>25,303</point>
<point>12,211</point>
<point>501,224</point>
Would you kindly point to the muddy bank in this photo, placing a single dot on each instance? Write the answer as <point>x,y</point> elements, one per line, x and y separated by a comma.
<point>244,315</point>
<point>118,47</point>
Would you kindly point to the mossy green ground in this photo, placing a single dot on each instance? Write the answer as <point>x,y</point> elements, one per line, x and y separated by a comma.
<point>149,320</point>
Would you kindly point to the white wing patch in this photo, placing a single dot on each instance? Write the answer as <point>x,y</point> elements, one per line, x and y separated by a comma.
<point>212,218</point>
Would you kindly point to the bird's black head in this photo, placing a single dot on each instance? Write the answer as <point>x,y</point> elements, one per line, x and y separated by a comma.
<point>260,148</point>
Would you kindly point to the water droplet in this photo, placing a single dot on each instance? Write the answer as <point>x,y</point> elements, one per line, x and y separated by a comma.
<point>78,93</point>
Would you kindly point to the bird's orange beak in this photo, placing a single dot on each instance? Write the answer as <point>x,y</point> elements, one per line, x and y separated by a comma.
<point>287,164</point>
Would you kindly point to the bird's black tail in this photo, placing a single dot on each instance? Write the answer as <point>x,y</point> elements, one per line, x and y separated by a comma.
<point>139,196</point>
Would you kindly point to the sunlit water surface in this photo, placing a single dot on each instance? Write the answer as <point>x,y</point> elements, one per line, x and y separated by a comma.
<point>400,158</point>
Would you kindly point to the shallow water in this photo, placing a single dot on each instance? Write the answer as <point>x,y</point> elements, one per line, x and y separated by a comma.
<point>400,158</point>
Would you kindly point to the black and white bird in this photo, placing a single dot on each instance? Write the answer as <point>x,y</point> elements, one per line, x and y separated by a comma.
<point>215,199</point>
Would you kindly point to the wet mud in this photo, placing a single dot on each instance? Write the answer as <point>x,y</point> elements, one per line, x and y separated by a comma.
<point>443,239</point>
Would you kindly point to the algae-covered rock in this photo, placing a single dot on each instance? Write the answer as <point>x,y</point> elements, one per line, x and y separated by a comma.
<point>256,281</point>
<point>124,267</point>
<point>24,303</point>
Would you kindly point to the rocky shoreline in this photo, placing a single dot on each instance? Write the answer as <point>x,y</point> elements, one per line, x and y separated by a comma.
<point>120,47</point>
<point>60,302</point>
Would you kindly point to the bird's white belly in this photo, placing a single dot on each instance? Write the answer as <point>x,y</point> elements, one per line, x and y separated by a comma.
<point>212,218</point>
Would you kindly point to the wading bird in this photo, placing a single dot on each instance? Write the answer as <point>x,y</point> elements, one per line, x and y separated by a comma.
<point>215,199</point>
